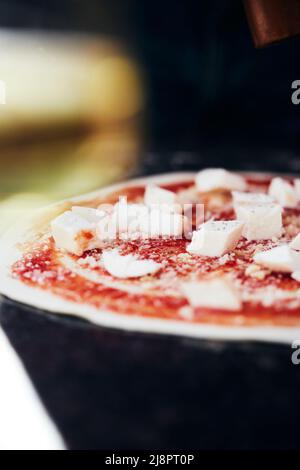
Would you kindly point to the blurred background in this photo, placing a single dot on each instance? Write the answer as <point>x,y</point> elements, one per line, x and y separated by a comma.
<point>99,90</point>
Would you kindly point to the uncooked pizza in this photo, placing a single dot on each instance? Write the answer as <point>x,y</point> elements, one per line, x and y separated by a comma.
<point>212,254</point>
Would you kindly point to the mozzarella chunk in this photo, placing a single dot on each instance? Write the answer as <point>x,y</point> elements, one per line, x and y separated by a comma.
<point>88,213</point>
<point>163,199</point>
<point>214,293</point>
<point>296,275</point>
<point>106,229</point>
<point>140,221</point>
<point>261,221</point>
<point>216,178</point>
<point>250,198</point>
<point>162,224</point>
<point>216,238</point>
<point>124,220</point>
<point>281,258</point>
<point>297,187</point>
<point>73,233</point>
<point>127,266</point>
<point>283,192</point>
<point>295,243</point>
<point>127,217</point>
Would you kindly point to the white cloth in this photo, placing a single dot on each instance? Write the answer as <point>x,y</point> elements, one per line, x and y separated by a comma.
<point>24,423</point>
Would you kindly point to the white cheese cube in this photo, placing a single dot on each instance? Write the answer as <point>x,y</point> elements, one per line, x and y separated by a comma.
<point>216,238</point>
<point>127,216</point>
<point>296,275</point>
<point>239,197</point>
<point>106,229</point>
<point>213,179</point>
<point>162,224</point>
<point>138,220</point>
<point>297,187</point>
<point>88,213</point>
<point>283,192</point>
<point>295,243</point>
<point>160,198</point>
<point>214,294</point>
<point>123,220</point>
<point>127,266</point>
<point>281,258</point>
<point>261,221</point>
<point>73,233</point>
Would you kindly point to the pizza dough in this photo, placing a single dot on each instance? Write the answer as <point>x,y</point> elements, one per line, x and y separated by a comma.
<point>33,271</point>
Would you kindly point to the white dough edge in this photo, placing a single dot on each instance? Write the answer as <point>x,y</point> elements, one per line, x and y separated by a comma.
<point>41,299</point>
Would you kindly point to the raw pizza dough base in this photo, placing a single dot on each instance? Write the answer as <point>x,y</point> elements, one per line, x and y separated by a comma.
<point>16,290</point>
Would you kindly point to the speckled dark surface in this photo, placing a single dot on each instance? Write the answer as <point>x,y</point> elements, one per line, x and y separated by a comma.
<point>110,389</point>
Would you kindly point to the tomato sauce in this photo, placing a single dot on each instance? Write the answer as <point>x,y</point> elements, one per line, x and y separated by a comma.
<point>41,267</point>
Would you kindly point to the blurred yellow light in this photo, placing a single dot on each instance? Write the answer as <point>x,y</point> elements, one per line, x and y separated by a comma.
<point>64,80</point>
<point>14,207</point>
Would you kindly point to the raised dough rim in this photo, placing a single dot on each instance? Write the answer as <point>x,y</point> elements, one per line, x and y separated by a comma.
<point>18,291</point>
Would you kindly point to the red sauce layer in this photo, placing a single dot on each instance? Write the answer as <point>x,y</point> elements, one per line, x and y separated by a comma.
<point>42,268</point>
